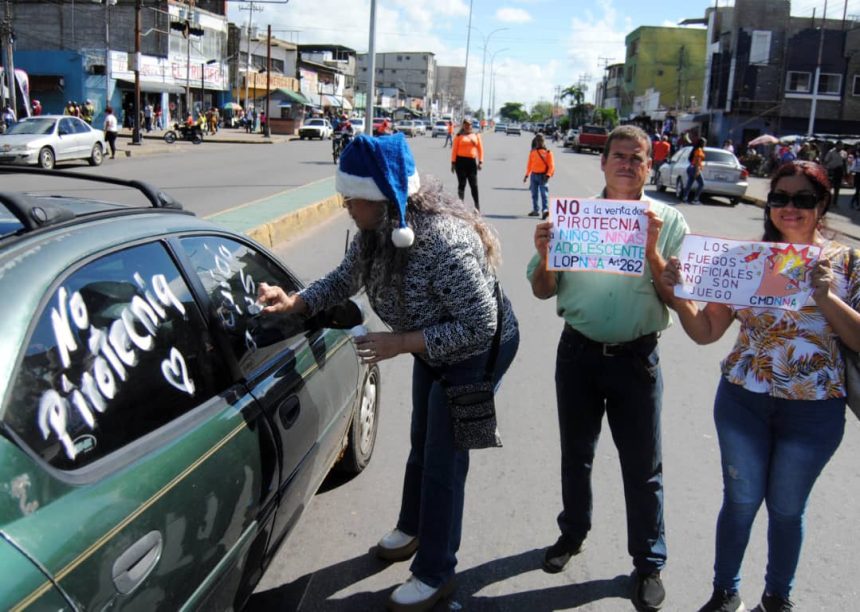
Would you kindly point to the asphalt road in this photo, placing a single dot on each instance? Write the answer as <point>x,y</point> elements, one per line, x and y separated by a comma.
<point>513,494</point>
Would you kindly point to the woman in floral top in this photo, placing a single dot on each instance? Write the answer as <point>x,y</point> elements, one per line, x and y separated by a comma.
<point>780,405</point>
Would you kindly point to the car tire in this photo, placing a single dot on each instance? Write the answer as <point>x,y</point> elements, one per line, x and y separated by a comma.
<point>46,158</point>
<point>97,155</point>
<point>734,201</point>
<point>679,188</point>
<point>578,149</point>
<point>361,437</point>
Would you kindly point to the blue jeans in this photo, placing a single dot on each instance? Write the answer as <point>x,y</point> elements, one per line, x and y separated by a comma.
<point>435,480</point>
<point>772,450</point>
<point>537,185</point>
<point>628,387</point>
<point>692,175</point>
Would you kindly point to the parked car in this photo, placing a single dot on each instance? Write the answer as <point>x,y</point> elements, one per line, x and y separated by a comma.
<point>159,436</point>
<point>48,139</point>
<point>407,127</point>
<point>591,137</point>
<point>423,125</point>
<point>440,128</point>
<point>501,127</point>
<point>723,174</point>
<point>315,128</point>
<point>513,130</point>
<point>570,137</point>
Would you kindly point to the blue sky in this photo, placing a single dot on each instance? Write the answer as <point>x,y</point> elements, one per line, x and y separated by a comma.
<point>544,43</point>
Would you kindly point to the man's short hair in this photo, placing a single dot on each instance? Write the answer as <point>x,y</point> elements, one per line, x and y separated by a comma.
<point>627,132</point>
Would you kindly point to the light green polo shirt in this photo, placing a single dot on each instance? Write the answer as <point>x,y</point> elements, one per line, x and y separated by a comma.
<point>613,307</point>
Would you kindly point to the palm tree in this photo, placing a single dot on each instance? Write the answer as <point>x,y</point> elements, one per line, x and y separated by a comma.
<point>577,92</point>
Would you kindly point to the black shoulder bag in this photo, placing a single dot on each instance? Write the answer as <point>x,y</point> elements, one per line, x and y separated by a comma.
<point>472,405</point>
<point>851,358</point>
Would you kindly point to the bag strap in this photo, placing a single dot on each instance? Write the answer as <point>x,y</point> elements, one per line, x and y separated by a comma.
<point>543,159</point>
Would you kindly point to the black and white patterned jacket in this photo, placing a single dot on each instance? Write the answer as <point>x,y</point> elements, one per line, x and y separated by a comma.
<point>447,292</point>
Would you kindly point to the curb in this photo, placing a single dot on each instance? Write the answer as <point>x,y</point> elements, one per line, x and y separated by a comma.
<point>284,228</point>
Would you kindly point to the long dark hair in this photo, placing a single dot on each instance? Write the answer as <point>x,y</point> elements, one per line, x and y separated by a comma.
<point>378,250</point>
<point>816,175</point>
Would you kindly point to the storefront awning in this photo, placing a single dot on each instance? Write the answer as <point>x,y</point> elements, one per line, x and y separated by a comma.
<point>295,96</point>
<point>153,86</point>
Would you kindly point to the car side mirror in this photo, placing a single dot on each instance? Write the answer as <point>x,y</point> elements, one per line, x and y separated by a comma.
<point>345,315</point>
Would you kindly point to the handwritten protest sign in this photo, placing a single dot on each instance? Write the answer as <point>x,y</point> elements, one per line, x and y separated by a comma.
<point>598,236</point>
<point>762,274</point>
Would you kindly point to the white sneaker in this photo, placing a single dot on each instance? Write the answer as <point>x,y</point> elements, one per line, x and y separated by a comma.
<point>415,596</point>
<point>396,546</point>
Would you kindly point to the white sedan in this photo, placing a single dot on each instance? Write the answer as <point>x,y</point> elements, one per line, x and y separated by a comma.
<point>315,128</point>
<point>48,139</point>
<point>407,127</point>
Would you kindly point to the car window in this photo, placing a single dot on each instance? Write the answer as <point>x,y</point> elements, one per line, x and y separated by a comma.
<point>67,126</point>
<point>720,157</point>
<point>231,272</point>
<point>118,350</point>
<point>80,127</point>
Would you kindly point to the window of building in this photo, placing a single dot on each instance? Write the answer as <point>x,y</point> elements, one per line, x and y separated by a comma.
<point>633,48</point>
<point>399,58</point>
<point>830,84</point>
<point>364,69</point>
<point>408,58</point>
<point>856,88</point>
<point>798,82</point>
<point>394,71</point>
<point>760,47</point>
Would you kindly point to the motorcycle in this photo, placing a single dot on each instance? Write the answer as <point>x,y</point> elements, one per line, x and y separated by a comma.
<point>194,133</point>
<point>338,143</point>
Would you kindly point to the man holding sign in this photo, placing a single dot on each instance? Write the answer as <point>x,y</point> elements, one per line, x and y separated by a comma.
<point>607,358</point>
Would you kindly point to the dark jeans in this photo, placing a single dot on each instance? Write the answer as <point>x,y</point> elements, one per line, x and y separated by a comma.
<point>772,450</point>
<point>435,480</point>
<point>538,186</point>
<point>836,175</point>
<point>693,175</point>
<point>110,137</point>
<point>467,169</point>
<point>628,388</point>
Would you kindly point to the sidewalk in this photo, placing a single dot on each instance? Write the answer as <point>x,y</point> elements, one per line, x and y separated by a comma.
<point>841,218</point>
<point>153,142</point>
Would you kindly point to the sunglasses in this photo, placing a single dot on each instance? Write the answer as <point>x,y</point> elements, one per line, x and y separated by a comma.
<point>803,201</point>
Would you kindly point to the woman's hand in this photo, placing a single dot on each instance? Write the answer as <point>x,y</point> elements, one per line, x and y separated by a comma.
<point>453,168</point>
<point>822,278</point>
<point>671,275</point>
<point>275,300</point>
<point>378,346</point>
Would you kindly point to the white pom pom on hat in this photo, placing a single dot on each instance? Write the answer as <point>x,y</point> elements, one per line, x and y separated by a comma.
<point>380,168</point>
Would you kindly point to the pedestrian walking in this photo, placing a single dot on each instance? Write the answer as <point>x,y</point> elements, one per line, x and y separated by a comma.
<point>855,171</point>
<point>110,128</point>
<point>539,168</point>
<point>607,362</point>
<point>147,117</point>
<point>467,157</point>
<point>834,163</point>
<point>778,420</point>
<point>438,299</point>
<point>449,138</point>
<point>37,108</point>
<point>659,154</point>
<point>9,118</point>
<point>696,163</point>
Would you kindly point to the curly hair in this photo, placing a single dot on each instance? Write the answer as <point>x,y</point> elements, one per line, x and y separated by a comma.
<point>378,250</point>
<point>815,174</point>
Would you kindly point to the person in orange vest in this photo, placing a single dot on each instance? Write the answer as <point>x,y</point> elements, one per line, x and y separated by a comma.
<point>483,124</point>
<point>449,139</point>
<point>659,154</point>
<point>467,157</point>
<point>540,168</point>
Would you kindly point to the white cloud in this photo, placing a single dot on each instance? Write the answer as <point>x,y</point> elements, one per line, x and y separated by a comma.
<point>513,15</point>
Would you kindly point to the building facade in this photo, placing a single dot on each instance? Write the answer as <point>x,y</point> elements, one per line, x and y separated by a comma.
<point>761,72</point>
<point>410,75</point>
<point>450,89</point>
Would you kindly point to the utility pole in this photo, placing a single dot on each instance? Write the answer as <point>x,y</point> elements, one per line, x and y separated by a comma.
<point>9,66</point>
<point>371,73</point>
<point>811,128</point>
<point>267,131</point>
<point>250,8</point>
<point>678,99</point>
<point>135,134</point>
<point>605,61</point>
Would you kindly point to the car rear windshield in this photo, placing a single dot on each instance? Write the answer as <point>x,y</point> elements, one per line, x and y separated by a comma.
<point>720,157</point>
<point>590,129</point>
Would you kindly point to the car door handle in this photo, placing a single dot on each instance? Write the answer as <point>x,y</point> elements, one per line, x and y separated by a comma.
<point>288,411</point>
<point>133,566</point>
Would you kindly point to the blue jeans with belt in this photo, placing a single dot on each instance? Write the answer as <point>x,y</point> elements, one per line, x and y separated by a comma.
<point>435,481</point>
<point>626,384</point>
<point>772,450</point>
<point>537,185</point>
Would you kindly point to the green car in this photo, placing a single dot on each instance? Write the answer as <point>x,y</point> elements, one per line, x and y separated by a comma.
<point>159,437</point>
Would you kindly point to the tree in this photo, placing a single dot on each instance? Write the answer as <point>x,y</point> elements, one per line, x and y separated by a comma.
<point>513,111</point>
<point>606,116</point>
<point>578,112</point>
<point>541,111</point>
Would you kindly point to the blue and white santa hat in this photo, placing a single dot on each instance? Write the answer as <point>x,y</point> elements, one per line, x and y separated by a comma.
<point>380,168</point>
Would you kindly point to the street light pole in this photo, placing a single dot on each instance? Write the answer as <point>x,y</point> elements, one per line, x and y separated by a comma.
<point>492,89</point>
<point>371,70</point>
<point>484,62</point>
<point>466,65</point>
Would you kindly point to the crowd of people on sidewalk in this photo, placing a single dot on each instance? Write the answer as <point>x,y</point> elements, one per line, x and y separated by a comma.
<point>428,263</point>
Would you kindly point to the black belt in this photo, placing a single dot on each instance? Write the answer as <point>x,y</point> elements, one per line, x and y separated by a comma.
<point>613,349</point>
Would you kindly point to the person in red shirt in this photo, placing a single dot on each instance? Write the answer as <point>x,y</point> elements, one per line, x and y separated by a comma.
<point>659,153</point>
<point>467,157</point>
